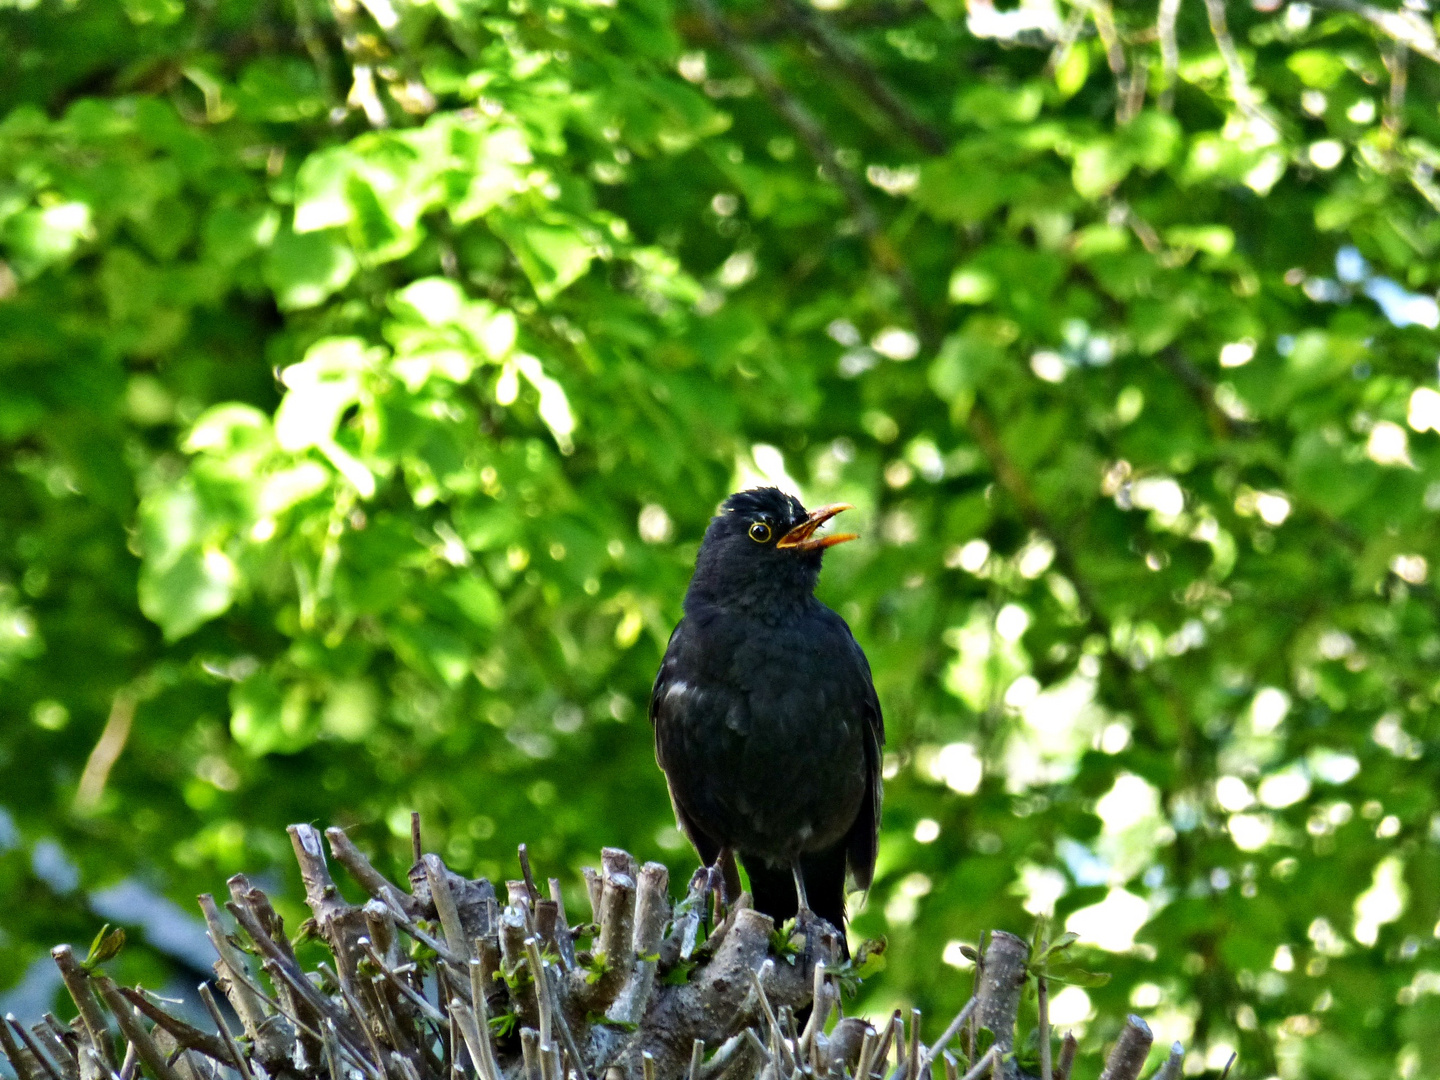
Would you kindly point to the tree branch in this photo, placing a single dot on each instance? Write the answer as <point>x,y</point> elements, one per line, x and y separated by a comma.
<point>816,29</point>
<point>1407,27</point>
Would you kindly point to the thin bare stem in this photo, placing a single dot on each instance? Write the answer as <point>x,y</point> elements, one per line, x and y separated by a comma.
<point>366,876</point>
<point>242,1066</point>
<point>1240,89</point>
<point>426,1009</point>
<point>1042,1001</point>
<point>1169,51</point>
<point>980,1067</point>
<point>477,997</point>
<point>1407,27</point>
<point>139,1038</point>
<point>1174,1064</point>
<point>13,1052</point>
<point>949,1033</point>
<point>186,1035</point>
<point>35,1052</point>
<point>1068,1046</point>
<point>1396,62</point>
<point>444,899</point>
<point>108,749</point>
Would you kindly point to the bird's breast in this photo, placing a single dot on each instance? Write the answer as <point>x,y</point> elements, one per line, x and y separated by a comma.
<point>761,731</point>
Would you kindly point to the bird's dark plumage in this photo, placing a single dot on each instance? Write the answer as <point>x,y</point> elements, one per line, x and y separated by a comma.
<point>766,720</point>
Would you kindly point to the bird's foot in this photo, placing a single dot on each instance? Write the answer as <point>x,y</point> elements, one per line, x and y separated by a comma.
<point>807,924</point>
<point>715,885</point>
<point>719,885</point>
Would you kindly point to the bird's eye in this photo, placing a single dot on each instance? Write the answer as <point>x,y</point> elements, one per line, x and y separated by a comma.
<point>760,532</point>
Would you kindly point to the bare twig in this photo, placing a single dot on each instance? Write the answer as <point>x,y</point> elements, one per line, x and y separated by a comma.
<point>864,1064</point>
<point>1240,88</point>
<point>1068,1046</point>
<point>1169,51</point>
<point>36,1054</point>
<point>236,975</point>
<point>139,1038</point>
<point>108,749</point>
<point>428,1010</point>
<point>185,1034</point>
<point>981,1067</point>
<point>242,1066</point>
<point>13,1053</point>
<point>1174,1064</point>
<point>1396,58</point>
<point>1042,999</point>
<point>1407,27</point>
<point>477,996</point>
<point>445,907</point>
<point>365,874</point>
<point>949,1033</point>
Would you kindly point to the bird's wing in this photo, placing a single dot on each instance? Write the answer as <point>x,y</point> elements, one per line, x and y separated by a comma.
<point>863,840</point>
<point>665,678</point>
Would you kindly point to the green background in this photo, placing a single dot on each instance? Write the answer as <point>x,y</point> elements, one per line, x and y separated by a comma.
<point>368,374</point>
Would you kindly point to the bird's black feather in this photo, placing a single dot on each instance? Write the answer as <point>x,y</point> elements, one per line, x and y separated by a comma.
<point>766,720</point>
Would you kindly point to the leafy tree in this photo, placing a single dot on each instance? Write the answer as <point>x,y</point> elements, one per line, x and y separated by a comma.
<point>370,372</point>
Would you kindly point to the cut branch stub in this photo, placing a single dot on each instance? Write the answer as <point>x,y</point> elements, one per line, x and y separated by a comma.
<point>1131,1049</point>
<point>1002,979</point>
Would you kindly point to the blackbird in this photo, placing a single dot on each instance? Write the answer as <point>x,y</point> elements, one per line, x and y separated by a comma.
<point>766,721</point>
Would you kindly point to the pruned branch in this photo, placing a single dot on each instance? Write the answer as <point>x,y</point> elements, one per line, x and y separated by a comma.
<point>645,995</point>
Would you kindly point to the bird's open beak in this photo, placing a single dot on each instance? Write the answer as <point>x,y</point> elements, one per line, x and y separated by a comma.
<point>802,537</point>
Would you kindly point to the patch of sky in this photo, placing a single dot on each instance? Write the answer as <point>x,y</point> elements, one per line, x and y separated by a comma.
<point>52,866</point>
<point>167,927</point>
<point>9,834</point>
<point>1401,306</point>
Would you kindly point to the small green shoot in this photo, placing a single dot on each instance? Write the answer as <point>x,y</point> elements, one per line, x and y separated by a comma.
<point>106,946</point>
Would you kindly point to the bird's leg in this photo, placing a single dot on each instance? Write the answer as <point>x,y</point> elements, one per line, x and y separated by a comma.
<point>804,903</point>
<point>719,881</point>
<point>804,917</point>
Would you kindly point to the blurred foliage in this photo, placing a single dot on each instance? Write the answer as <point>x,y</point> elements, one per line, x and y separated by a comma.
<point>368,375</point>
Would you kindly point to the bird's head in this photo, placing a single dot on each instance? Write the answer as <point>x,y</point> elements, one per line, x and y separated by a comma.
<point>762,549</point>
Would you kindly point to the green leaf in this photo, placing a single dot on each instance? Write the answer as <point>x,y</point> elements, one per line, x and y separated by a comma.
<point>1073,70</point>
<point>503,1025</point>
<point>553,256</point>
<point>304,269</point>
<point>679,975</point>
<point>1075,976</point>
<point>42,236</point>
<point>106,946</point>
<point>198,586</point>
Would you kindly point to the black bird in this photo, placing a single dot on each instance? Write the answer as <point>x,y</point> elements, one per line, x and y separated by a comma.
<point>767,725</point>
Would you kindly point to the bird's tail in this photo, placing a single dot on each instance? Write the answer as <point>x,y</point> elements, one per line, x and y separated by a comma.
<point>773,888</point>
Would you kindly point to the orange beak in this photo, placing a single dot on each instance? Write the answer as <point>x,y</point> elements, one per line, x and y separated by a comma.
<point>802,537</point>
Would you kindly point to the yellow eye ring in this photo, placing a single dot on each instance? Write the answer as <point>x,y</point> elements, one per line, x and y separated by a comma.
<point>760,532</point>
